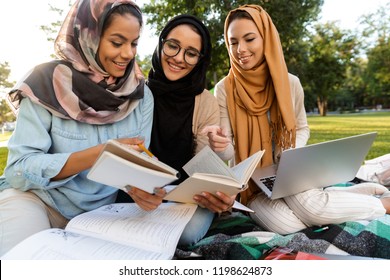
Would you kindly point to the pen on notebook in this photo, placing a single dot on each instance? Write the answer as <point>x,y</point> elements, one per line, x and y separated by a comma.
<point>146,150</point>
<point>321,229</point>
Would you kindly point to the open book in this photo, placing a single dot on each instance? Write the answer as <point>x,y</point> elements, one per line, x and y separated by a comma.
<point>211,174</point>
<point>112,232</point>
<point>119,166</point>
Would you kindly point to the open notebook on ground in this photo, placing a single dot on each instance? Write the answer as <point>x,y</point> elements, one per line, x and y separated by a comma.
<point>314,166</point>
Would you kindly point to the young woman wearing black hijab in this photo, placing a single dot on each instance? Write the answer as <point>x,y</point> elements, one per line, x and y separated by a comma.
<point>183,107</point>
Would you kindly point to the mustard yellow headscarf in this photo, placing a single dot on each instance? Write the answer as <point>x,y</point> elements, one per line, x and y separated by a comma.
<point>251,94</point>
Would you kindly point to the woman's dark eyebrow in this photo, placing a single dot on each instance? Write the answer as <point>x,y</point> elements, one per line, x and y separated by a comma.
<point>194,49</point>
<point>122,37</point>
<point>178,42</point>
<point>245,35</point>
<point>248,34</point>
<point>173,39</point>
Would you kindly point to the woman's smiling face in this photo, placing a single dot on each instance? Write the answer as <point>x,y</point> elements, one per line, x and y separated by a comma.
<point>175,67</point>
<point>118,44</point>
<point>245,43</point>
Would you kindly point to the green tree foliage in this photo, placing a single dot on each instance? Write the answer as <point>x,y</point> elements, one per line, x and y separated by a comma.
<point>290,17</point>
<point>51,30</point>
<point>5,85</point>
<point>376,25</point>
<point>5,71</point>
<point>145,64</point>
<point>331,52</point>
<point>6,114</point>
<point>354,87</point>
<point>377,74</point>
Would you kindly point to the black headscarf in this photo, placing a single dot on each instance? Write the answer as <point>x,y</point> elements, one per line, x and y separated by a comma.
<point>172,138</point>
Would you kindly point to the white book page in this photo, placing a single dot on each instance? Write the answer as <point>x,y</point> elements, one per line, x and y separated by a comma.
<point>237,205</point>
<point>245,168</point>
<point>127,223</point>
<point>59,244</point>
<point>126,152</point>
<point>117,172</point>
<point>207,161</point>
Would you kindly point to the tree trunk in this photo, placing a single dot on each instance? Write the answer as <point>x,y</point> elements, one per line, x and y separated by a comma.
<point>322,106</point>
<point>215,78</point>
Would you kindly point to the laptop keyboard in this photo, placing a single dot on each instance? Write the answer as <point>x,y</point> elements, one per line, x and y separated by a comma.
<point>268,182</point>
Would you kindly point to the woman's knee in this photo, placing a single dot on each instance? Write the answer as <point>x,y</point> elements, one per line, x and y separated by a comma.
<point>197,227</point>
<point>274,215</point>
<point>21,215</point>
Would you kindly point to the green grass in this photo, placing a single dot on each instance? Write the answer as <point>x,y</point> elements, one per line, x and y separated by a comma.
<point>321,129</point>
<point>337,126</point>
<point>3,158</point>
<point>5,136</point>
<point>3,150</point>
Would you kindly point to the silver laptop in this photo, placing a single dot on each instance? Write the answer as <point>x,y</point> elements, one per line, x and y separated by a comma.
<point>314,166</point>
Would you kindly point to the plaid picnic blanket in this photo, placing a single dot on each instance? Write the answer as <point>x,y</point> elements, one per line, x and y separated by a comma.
<point>237,237</point>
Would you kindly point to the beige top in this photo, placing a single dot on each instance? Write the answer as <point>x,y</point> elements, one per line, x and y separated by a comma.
<point>206,112</point>
<point>297,94</point>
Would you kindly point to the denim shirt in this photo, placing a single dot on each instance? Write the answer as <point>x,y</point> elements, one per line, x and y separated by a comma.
<point>41,144</point>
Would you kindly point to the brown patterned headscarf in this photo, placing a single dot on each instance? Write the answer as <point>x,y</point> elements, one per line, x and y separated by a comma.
<point>76,86</point>
<point>259,100</point>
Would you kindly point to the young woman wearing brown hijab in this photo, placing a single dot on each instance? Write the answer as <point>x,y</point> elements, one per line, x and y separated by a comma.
<point>262,107</point>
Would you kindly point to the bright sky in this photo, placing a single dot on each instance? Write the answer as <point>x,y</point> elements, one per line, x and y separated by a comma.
<point>24,45</point>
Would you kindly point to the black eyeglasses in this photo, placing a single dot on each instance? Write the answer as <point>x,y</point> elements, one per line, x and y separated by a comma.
<point>171,49</point>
